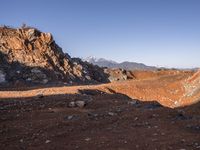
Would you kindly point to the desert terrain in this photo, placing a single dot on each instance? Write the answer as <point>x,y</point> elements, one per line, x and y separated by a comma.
<point>49,100</point>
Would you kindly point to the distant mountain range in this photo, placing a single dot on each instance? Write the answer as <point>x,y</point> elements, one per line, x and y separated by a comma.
<point>112,64</point>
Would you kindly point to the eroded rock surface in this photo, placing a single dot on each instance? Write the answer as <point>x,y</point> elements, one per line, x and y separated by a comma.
<point>29,55</point>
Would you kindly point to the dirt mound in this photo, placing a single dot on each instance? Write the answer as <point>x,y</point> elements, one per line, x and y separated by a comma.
<point>29,55</point>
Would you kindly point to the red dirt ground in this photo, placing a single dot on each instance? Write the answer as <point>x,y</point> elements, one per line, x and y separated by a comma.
<point>40,118</point>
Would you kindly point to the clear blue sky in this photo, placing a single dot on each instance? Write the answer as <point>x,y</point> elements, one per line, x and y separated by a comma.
<point>154,32</point>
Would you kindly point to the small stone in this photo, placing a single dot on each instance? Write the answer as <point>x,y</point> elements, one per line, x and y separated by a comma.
<point>70,117</point>
<point>153,140</point>
<point>35,71</point>
<point>47,141</point>
<point>87,139</point>
<point>28,79</point>
<point>196,144</point>
<point>132,102</point>
<point>155,115</point>
<point>183,140</point>
<point>155,134</point>
<point>45,81</point>
<point>21,140</point>
<point>72,104</point>
<point>77,147</point>
<point>119,110</point>
<point>111,113</point>
<point>80,104</point>
<point>18,72</point>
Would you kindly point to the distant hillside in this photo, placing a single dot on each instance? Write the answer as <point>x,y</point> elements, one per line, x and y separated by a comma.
<point>124,65</point>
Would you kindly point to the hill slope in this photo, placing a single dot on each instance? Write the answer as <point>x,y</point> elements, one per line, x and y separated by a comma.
<point>124,65</point>
<point>29,55</point>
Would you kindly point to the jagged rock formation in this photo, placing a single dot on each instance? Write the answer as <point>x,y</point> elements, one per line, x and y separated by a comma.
<point>29,55</point>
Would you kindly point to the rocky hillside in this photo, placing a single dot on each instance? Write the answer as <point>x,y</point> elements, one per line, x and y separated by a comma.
<point>28,55</point>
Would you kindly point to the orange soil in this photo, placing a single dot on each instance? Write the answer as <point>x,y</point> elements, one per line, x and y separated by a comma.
<point>166,87</point>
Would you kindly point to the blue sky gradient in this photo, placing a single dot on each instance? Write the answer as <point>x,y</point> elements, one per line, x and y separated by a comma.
<point>155,32</point>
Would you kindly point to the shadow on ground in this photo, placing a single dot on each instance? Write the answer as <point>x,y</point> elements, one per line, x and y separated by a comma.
<point>105,121</point>
<point>19,76</point>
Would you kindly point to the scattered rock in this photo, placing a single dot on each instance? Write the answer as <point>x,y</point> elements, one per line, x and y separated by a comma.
<point>132,102</point>
<point>111,114</point>
<point>194,127</point>
<point>70,117</point>
<point>47,141</point>
<point>80,104</point>
<point>87,139</point>
<point>35,70</point>
<point>72,104</point>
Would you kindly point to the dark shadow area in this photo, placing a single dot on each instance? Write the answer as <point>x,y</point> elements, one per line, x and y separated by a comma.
<point>91,92</point>
<point>21,77</point>
<point>64,99</point>
<point>41,101</point>
<point>47,122</point>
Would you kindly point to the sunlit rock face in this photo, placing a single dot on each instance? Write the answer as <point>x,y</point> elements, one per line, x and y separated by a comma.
<point>29,55</point>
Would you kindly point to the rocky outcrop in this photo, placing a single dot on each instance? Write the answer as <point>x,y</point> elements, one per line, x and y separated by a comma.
<point>119,74</point>
<point>30,56</point>
<point>192,84</point>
